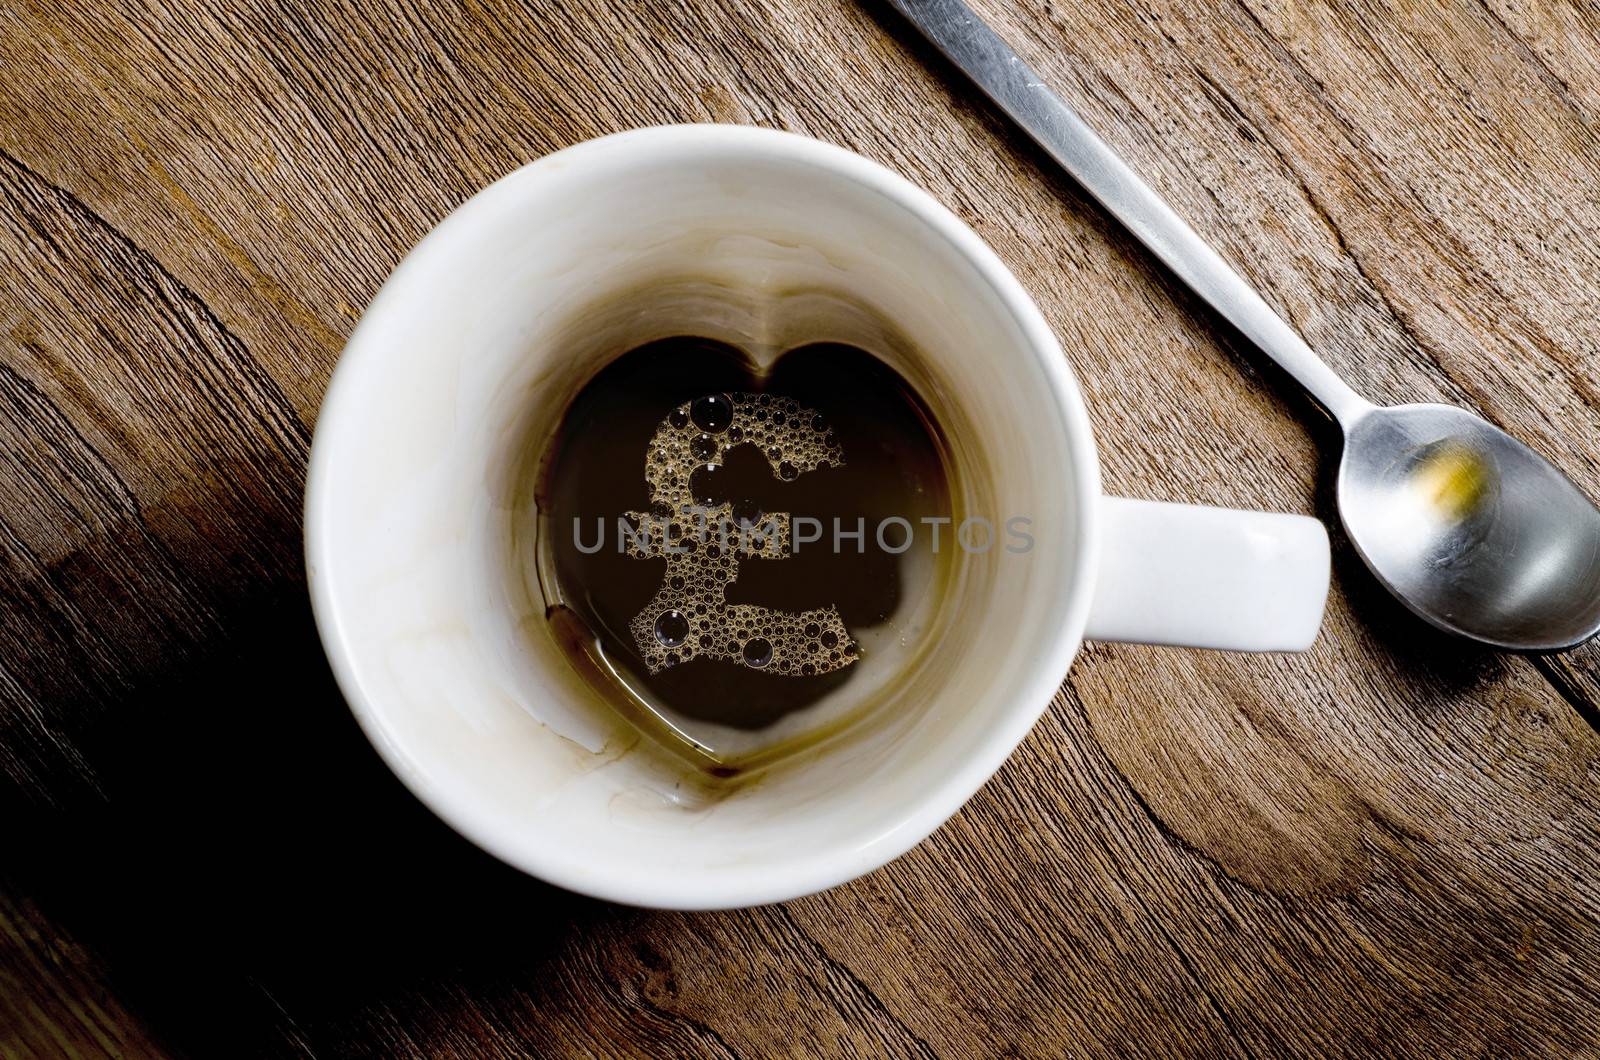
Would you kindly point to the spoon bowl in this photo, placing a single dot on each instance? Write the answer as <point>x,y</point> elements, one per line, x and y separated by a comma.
<point>1471,529</point>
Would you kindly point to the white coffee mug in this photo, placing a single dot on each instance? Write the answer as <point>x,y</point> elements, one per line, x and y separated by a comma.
<point>462,363</point>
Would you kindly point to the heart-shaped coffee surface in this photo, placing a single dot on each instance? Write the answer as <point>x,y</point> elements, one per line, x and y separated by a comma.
<point>736,541</point>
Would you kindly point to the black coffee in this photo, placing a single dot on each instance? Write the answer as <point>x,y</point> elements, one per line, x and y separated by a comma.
<point>723,538</point>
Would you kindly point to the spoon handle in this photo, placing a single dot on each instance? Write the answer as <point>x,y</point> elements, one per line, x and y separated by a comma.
<point>979,52</point>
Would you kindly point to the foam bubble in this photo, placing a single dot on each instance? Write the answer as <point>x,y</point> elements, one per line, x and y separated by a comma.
<point>704,538</point>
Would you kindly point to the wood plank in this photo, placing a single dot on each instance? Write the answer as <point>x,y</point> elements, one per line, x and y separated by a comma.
<point>1385,845</point>
<point>52,996</point>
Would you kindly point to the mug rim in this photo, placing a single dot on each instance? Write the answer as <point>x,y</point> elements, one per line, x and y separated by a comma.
<point>922,818</point>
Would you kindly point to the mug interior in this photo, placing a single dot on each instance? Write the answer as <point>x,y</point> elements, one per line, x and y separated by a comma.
<point>420,491</point>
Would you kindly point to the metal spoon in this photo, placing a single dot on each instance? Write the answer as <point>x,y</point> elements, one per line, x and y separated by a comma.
<point>1468,527</point>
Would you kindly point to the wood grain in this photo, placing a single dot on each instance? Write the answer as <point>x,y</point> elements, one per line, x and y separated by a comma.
<point>1386,846</point>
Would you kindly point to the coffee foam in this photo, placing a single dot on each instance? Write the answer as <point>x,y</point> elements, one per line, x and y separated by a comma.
<point>704,542</point>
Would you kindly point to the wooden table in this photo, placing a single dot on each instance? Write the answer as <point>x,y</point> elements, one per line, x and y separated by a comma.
<point>1386,846</point>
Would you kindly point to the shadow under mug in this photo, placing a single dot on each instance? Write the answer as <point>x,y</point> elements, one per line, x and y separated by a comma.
<point>418,484</point>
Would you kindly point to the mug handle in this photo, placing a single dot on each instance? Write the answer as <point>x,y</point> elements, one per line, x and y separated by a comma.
<point>1202,577</point>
